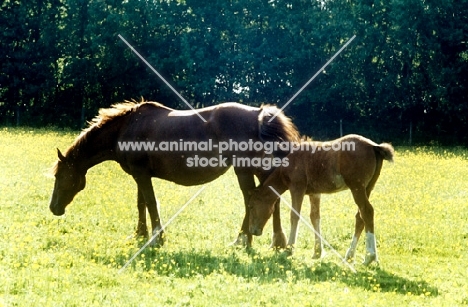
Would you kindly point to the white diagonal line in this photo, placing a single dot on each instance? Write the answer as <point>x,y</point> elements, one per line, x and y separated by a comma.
<point>162,228</point>
<point>313,229</point>
<point>162,78</point>
<point>313,77</point>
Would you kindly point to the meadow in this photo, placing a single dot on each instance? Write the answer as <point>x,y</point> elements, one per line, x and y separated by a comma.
<point>421,218</point>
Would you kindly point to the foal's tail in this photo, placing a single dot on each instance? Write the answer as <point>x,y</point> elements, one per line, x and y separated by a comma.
<point>385,151</point>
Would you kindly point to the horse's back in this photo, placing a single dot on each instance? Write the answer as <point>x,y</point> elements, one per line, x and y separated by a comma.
<point>234,121</point>
<point>223,121</point>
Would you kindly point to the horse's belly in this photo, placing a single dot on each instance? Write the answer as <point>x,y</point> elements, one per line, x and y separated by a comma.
<point>188,176</point>
<point>195,179</point>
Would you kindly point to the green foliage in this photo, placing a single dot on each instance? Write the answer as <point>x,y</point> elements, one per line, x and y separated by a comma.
<point>61,60</point>
<point>421,227</point>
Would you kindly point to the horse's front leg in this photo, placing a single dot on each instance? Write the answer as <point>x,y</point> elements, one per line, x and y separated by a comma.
<point>279,238</point>
<point>142,229</point>
<point>315,219</point>
<point>145,188</point>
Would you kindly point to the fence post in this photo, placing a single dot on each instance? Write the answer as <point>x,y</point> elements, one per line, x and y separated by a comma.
<point>341,128</point>
<point>18,116</point>
<point>411,133</point>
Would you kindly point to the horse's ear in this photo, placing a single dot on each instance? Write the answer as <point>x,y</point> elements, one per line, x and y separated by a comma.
<point>60,156</point>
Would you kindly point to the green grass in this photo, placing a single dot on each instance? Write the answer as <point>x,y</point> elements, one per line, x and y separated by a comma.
<point>421,207</point>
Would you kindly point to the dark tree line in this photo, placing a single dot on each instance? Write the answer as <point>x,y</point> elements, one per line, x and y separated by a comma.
<point>61,60</point>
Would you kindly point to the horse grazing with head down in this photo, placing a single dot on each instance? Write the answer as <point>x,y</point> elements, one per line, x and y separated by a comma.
<point>153,123</point>
<point>351,162</point>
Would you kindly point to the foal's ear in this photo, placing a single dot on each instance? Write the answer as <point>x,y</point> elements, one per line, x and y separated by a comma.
<point>60,156</point>
<point>251,191</point>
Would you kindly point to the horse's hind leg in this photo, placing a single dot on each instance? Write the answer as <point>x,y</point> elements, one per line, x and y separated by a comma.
<point>315,219</point>
<point>246,183</point>
<point>367,215</point>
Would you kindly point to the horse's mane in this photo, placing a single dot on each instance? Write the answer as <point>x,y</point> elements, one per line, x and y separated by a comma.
<point>117,110</point>
<point>105,115</point>
<point>281,128</point>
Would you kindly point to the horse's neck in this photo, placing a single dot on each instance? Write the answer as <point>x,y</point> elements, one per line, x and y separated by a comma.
<point>96,147</point>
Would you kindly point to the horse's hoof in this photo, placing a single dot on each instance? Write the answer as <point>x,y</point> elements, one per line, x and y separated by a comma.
<point>158,238</point>
<point>278,241</point>
<point>157,242</point>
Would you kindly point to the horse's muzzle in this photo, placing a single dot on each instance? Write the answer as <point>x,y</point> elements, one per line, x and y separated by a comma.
<point>57,211</point>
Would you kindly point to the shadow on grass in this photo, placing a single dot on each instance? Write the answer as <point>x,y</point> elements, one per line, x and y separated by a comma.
<point>274,267</point>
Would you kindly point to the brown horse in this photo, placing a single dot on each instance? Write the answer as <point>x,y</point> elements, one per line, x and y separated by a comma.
<point>109,134</point>
<point>351,162</point>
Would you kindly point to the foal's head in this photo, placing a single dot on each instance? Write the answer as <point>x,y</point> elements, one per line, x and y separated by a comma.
<point>69,180</point>
<point>261,206</point>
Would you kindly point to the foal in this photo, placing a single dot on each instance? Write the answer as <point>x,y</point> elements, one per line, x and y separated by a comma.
<point>351,162</point>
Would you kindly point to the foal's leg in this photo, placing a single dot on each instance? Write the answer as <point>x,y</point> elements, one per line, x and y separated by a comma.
<point>367,215</point>
<point>359,227</point>
<point>315,219</point>
<point>145,187</point>
<point>297,196</point>
<point>279,238</point>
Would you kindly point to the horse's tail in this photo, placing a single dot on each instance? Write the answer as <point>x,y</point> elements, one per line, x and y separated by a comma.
<point>275,126</point>
<point>385,151</point>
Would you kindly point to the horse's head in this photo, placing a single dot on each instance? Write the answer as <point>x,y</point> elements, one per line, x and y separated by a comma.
<point>69,180</point>
<point>261,208</point>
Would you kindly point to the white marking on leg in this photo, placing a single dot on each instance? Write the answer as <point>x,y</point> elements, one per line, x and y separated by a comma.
<point>294,232</point>
<point>371,248</point>
<point>318,239</point>
<point>312,228</point>
<point>352,249</point>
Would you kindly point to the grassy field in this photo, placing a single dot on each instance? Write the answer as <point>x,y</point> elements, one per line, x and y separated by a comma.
<point>421,205</point>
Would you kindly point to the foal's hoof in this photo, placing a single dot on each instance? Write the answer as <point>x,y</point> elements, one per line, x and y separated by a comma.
<point>278,241</point>
<point>317,255</point>
<point>288,251</point>
<point>369,259</point>
<point>242,240</point>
